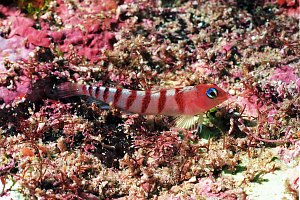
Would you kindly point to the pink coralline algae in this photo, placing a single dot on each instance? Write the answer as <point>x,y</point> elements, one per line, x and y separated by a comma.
<point>23,26</point>
<point>213,189</point>
<point>16,45</point>
<point>290,155</point>
<point>249,102</point>
<point>292,6</point>
<point>22,88</point>
<point>201,67</point>
<point>86,36</point>
<point>88,45</point>
<point>285,74</point>
<point>13,49</point>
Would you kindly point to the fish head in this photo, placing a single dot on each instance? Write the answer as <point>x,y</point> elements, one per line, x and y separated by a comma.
<point>209,96</point>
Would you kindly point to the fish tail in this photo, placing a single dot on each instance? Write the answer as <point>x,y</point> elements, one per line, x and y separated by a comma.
<point>66,89</point>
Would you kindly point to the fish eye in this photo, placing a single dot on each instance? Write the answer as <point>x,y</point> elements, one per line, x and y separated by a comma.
<point>212,93</point>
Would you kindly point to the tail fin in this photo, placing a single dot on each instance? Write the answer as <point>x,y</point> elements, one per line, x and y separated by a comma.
<point>66,89</point>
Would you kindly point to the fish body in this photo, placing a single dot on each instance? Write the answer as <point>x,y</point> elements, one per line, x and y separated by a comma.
<point>186,101</point>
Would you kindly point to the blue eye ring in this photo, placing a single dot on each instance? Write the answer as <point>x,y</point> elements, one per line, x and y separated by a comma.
<point>212,93</point>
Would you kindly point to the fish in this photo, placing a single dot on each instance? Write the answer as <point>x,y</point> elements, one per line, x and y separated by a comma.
<point>182,102</point>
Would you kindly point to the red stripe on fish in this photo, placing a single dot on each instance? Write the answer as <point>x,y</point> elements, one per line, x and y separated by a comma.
<point>146,100</point>
<point>84,88</point>
<point>130,99</point>
<point>105,94</point>
<point>97,92</point>
<point>179,99</point>
<point>117,96</point>
<point>91,91</point>
<point>162,100</point>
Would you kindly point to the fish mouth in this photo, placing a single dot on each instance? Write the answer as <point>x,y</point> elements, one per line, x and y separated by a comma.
<point>225,97</point>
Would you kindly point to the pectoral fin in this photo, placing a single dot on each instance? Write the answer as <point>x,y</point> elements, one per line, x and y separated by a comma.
<point>188,122</point>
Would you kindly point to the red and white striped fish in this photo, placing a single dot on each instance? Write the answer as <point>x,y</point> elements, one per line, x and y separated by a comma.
<point>183,101</point>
